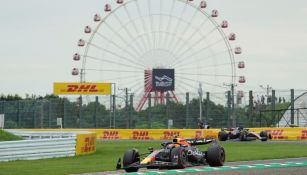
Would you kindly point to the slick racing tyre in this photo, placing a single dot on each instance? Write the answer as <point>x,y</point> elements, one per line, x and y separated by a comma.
<point>179,156</point>
<point>265,135</point>
<point>222,136</point>
<point>215,155</point>
<point>243,136</point>
<point>130,157</point>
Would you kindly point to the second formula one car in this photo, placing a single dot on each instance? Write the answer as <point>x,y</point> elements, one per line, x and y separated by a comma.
<point>242,134</point>
<point>178,154</point>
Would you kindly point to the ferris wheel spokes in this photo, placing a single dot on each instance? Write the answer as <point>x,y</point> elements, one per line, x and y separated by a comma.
<point>114,62</point>
<point>197,52</point>
<point>186,62</point>
<point>140,47</point>
<point>117,55</point>
<point>197,42</point>
<point>119,47</point>
<point>136,29</point>
<point>175,29</point>
<point>175,45</point>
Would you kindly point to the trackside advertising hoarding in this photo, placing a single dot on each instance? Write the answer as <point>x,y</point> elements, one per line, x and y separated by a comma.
<point>82,88</point>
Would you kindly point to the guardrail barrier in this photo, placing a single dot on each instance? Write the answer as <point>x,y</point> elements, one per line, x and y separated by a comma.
<point>45,144</point>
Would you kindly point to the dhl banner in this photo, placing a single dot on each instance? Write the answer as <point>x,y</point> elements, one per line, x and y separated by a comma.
<point>86,144</point>
<point>153,134</point>
<point>82,88</point>
<point>284,133</point>
<point>167,134</point>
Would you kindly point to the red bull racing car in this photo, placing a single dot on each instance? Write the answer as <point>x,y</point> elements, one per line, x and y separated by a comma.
<point>178,154</point>
<point>242,134</point>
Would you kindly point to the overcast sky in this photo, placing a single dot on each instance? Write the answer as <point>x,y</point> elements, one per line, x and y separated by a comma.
<point>38,39</point>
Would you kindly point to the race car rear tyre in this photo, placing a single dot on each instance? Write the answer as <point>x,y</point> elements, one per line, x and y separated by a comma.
<point>222,136</point>
<point>243,136</point>
<point>215,155</point>
<point>130,157</point>
<point>179,156</point>
<point>265,135</point>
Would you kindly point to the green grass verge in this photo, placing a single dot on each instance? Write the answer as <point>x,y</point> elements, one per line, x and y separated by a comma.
<point>108,152</point>
<point>5,136</point>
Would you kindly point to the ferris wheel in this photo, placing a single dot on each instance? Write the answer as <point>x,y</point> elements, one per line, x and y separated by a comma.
<point>134,39</point>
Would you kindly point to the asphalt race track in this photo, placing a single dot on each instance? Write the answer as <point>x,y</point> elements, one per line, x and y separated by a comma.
<point>295,166</point>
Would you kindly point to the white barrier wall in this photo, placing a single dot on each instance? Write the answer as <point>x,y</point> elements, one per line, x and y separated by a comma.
<point>42,144</point>
<point>31,135</point>
<point>37,149</point>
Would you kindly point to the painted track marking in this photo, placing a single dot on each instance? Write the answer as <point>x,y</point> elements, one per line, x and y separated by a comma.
<point>226,168</point>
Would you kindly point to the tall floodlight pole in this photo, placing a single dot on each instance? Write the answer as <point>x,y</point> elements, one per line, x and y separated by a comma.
<point>200,93</point>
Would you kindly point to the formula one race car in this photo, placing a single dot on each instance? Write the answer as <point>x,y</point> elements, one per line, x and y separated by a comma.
<point>178,154</point>
<point>242,134</point>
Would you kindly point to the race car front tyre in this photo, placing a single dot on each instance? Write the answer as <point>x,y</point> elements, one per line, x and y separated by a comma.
<point>243,136</point>
<point>130,157</point>
<point>215,155</point>
<point>179,156</point>
<point>222,136</point>
<point>265,135</point>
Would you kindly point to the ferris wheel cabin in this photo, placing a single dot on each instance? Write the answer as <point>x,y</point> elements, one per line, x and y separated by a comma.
<point>81,43</point>
<point>97,18</point>
<point>203,4</point>
<point>232,37</point>
<point>76,57</point>
<point>120,1</point>
<point>238,50</point>
<point>87,29</point>
<point>242,79</point>
<point>214,13</point>
<point>224,24</point>
<point>75,71</point>
<point>107,8</point>
<point>241,65</point>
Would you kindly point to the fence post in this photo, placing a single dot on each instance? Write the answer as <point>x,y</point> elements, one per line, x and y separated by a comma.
<point>130,111</point>
<point>207,109</point>
<point>149,125</point>
<point>18,114</point>
<point>260,119</point>
<point>298,117</point>
<point>80,111</point>
<point>49,113</point>
<point>228,108</point>
<point>42,115</point>
<point>273,106</point>
<point>292,106</point>
<point>167,108</point>
<point>95,112</point>
<point>64,113</point>
<point>187,109</point>
<point>250,108</point>
<point>34,113</point>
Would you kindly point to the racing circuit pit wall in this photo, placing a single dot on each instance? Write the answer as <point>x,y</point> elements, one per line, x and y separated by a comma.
<point>167,134</point>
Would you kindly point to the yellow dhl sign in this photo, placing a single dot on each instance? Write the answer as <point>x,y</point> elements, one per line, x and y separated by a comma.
<point>82,88</point>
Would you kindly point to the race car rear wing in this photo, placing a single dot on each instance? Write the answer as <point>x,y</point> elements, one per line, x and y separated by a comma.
<point>199,141</point>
